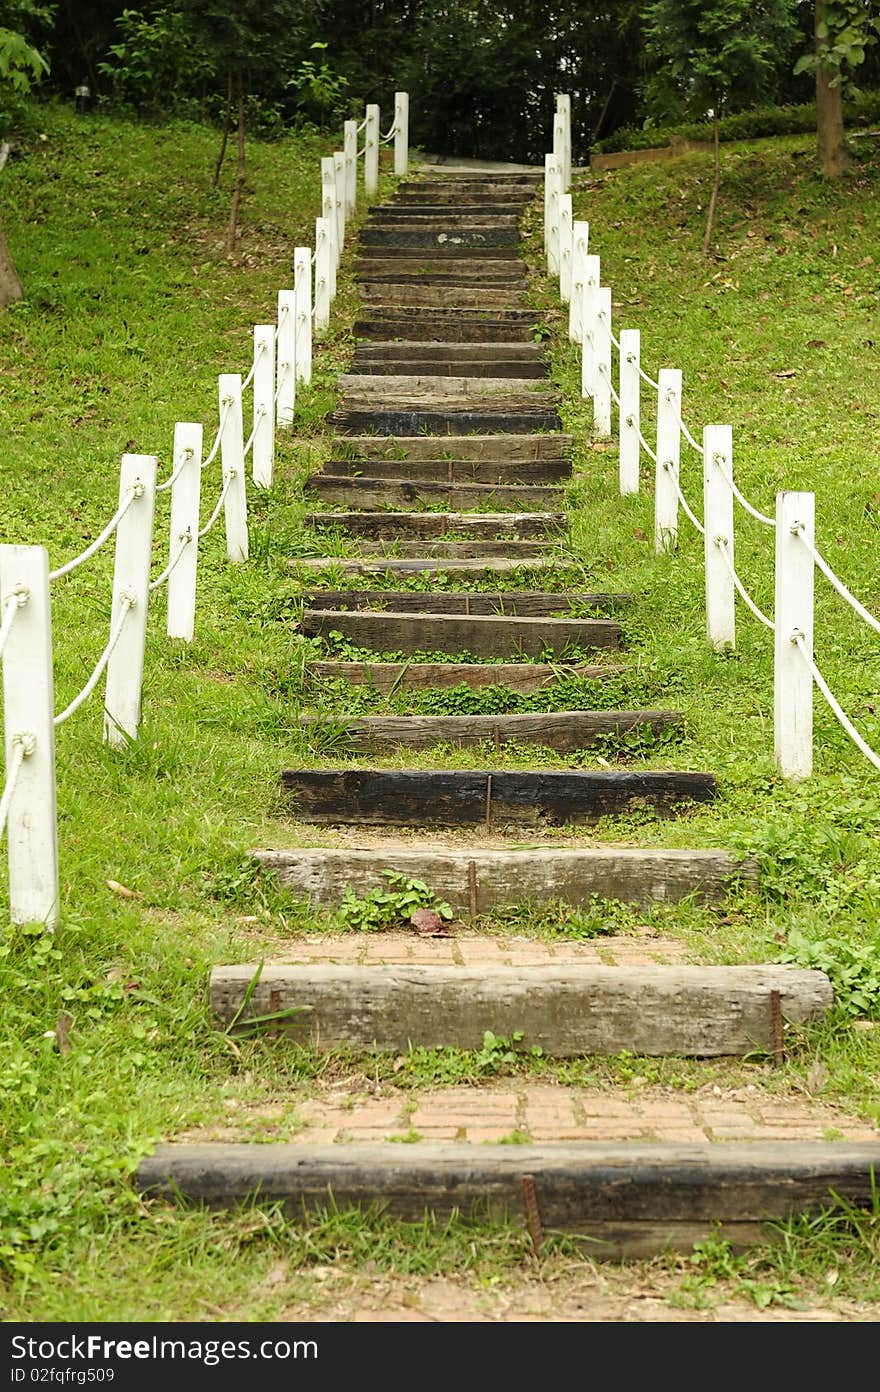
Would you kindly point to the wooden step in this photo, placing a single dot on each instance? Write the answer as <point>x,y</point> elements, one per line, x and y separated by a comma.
<point>518,416</point>
<point>631,1200</point>
<point>515,551</point>
<point>526,354</point>
<point>481,635</point>
<point>447,217</point>
<point>443,390</point>
<point>566,1011</point>
<point>409,235</point>
<point>438,296</point>
<point>391,526</point>
<point>473,797</point>
<point>393,323</point>
<point>446,473</point>
<point>428,267</point>
<point>474,880</point>
<point>525,678</point>
<point>524,603</point>
<point>515,449</point>
<point>565,731</point>
<point>491,566</point>
<point>391,252</point>
<point>404,365</point>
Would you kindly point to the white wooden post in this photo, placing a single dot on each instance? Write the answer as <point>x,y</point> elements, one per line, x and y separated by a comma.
<point>718,522</point>
<point>185,492</point>
<point>668,459</point>
<point>285,347</point>
<point>131,592</point>
<point>559,147</point>
<point>628,423</point>
<point>563,114</point>
<point>328,212</point>
<point>323,272</point>
<point>592,273</point>
<point>566,247</point>
<point>263,448</point>
<point>792,679</point>
<point>602,365</point>
<point>580,238</point>
<point>232,457</point>
<point>371,152</point>
<point>401,134</point>
<point>29,737</point>
<point>339,188</point>
<point>552,210</point>
<point>350,151</point>
<point>302,299</point>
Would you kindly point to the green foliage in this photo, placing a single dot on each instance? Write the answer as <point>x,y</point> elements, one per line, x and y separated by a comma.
<point>21,63</point>
<point>157,60</point>
<point>757,122</point>
<point>382,908</point>
<point>845,30</point>
<point>852,966</point>
<point>718,52</point>
<point>320,88</point>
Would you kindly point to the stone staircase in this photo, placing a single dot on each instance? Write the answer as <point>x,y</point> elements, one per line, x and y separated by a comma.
<point>449,462</point>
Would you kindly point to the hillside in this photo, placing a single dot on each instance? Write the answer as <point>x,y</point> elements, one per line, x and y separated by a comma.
<point>131,311</point>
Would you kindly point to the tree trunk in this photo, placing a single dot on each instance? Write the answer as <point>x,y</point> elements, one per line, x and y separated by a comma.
<point>710,216</point>
<point>239,177</point>
<point>227,122</point>
<point>833,158</point>
<point>10,285</point>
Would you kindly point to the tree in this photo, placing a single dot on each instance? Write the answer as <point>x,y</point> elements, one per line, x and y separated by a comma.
<point>720,53</point>
<point>843,31</point>
<point>20,66</point>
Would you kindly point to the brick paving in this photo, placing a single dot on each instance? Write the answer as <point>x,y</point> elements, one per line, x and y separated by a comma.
<point>540,1111</point>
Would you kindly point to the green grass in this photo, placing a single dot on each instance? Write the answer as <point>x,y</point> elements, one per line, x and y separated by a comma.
<point>132,311</point>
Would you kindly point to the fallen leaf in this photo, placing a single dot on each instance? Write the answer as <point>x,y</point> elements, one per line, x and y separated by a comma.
<point>817,343</point>
<point>62,1034</point>
<point>123,891</point>
<point>831,1276</point>
<point>787,372</point>
<point>639,534</point>
<point>429,924</point>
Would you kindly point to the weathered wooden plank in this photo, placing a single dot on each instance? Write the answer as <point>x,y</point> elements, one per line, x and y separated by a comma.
<point>444,390</point>
<point>482,635</point>
<point>389,525</point>
<point>447,274</point>
<point>489,566</point>
<point>368,492</point>
<point>475,880</point>
<point>519,419</point>
<point>632,1199</point>
<point>503,548</point>
<point>519,449</point>
<point>437,296</point>
<point>429,267</point>
<point>523,677</point>
<point>496,255</point>
<point>388,325</point>
<point>441,214</point>
<point>466,797</point>
<point>524,353</point>
<point>564,731</point>
<point>401,366</point>
<point>567,1011</point>
<point>448,473</point>
<point>411,234</point>
<point>479,318</point>
<point>525,603</point>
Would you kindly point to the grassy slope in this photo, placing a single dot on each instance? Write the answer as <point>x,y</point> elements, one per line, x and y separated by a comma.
<point>131,312</point>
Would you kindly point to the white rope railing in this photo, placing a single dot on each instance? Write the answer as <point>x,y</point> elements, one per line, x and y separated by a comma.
<point>11,608</point>
<point>185,456</point>
<point>224,416</point>
<point>682,499</point>
<point>127,603</point>
<point>362,125</point>
<point>798,639</point>
<point>652,454</point>
<point>17,757</point>
<point>96,545</point>
<point>362,151</point>
<point>603,320</point>
<point>603,368</point>
<point>384,139</point>
<point>261,348</point>
<point>743,501</point>
<point>643,374</point>
<point>724,548</point>
<point>253,435</point>
<point>836,582</point>
<point>220,501</point>
<point>166,573</point>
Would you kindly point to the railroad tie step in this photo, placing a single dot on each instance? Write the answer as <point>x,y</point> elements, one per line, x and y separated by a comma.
<point>476,564</point>
<point>518,449</point>
<point>448,472</point>
<point>629,1200</point>
<point>483,797</point>
<point>519,416</point>
<point>567,1011</point>
<point>514,552</point>
<point>524,678</point>
<point>564,731</point>
<point>366,491</point>
<point>474,880</point>
<point>480,635</point>
<point>390,526</point>
<point>518,603</point>
<point>442,390</point>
